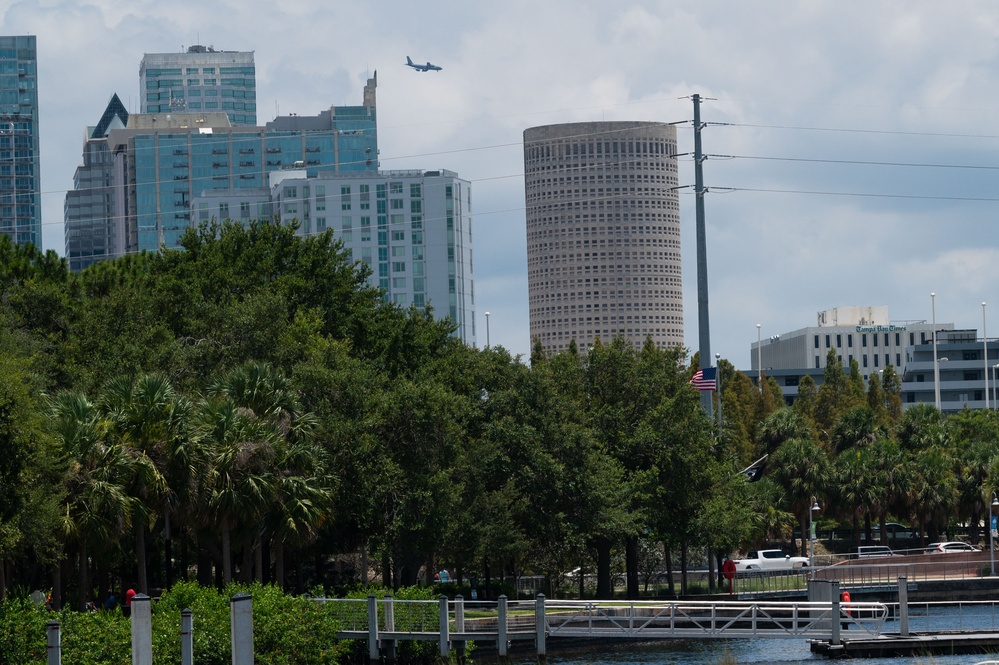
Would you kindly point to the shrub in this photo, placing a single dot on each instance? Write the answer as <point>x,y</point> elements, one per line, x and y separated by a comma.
<point>23,631</point>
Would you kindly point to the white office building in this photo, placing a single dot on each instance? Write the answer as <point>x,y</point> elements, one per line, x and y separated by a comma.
<point>864,334</point>
<point>413,229</point>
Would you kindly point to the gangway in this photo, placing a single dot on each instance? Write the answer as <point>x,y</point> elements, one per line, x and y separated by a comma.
<point>711,619</point>
<point>383,621</point>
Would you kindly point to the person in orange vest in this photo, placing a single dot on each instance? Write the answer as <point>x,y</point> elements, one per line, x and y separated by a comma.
<point>844,599</point>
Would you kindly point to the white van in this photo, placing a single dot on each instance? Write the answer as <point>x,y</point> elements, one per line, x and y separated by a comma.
<point>870,551</point>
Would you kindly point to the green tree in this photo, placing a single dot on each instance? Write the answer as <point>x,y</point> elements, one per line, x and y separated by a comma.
<point>800,466</point>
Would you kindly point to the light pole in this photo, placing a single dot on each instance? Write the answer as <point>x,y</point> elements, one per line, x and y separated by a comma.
<point>718,381</point>
<point>487,330</point>
<point>759,358</point>
<point>992,532</point>
<point>985,349</point>
<point>811,536</point>
<point>936,378</point>
<point>936,366</point>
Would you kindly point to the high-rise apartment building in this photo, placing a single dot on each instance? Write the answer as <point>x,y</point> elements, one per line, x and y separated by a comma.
<point>413,229</point>
<point>603,233</point>
<point>163,161</point>
<point>90,206</point>
<point>20,189</point>
<point>200,80</point>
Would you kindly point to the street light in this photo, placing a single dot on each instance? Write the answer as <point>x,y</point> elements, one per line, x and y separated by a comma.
<point>811,536</point>
<point>936,377</point>
<point>992,531</point>
<point>936,366</point>
<point>759,357</point>
<point>985,348</point>
<point>487,330</point>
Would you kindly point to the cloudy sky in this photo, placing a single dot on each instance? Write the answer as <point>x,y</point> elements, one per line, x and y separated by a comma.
<point>855,159</point>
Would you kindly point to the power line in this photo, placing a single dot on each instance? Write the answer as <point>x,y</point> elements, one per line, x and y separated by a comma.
<point>859,162</point>
<point>855,131</point>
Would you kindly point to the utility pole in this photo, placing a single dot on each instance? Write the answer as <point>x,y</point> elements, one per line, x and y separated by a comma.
<point>704,332</point>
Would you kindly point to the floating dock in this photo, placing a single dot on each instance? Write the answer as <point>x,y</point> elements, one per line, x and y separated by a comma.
<point>888,645</point>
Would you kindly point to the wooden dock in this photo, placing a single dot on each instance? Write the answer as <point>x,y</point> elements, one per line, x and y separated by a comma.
<point>888,645</point>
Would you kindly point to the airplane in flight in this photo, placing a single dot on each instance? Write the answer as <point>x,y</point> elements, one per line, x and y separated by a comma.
<point>422,68</point>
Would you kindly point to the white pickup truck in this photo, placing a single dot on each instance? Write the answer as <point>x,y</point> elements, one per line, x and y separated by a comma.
<point>770,560</point>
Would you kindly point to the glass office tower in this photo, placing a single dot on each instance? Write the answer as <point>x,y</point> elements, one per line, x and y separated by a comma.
<point>200,79</point>
<point>163,162</point>
<point>20,190</point>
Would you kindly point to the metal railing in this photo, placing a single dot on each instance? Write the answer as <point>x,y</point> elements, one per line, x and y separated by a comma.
<point>719,619</point>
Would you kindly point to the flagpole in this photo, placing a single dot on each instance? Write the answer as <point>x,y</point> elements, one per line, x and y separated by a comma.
<point>718,382</point>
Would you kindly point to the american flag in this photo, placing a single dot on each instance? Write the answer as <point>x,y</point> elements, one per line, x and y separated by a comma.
<point>704,379</point>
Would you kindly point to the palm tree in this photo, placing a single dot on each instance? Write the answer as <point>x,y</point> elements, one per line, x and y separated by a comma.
<point>302,501</point>
<point>237,483</point>
<point>801,467</point>
<point>153,422</point>
<point>301,497</point>
<point>97,505</point>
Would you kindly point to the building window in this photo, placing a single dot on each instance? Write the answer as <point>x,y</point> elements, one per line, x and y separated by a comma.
<point>244,210</point>
<point>398,236</point>
<point>395,187</point>
<point>398,282</point>
<point>827,341</point>
<point>816,362</point>
<point>399,266</point>
<point>397,204</point>
<point>839,341</point>
<point>898,360</point>
<point>849,341</point>
<point>874,338</point>
<point>897,337</point>
<point>863,340</point>
<point>864,360</point>
<point>816,341</point>
<point>223,211</point>
<point>875,358</point>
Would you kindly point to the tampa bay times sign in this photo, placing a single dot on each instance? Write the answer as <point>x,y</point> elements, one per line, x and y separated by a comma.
<point>880,329</point>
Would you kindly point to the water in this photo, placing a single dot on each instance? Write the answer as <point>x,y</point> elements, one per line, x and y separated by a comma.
<point>783,651</point>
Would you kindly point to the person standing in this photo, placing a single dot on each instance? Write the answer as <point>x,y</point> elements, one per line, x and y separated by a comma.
<point>127,607</point>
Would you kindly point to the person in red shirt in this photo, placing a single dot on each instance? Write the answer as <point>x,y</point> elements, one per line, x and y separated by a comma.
<point>127,609</point>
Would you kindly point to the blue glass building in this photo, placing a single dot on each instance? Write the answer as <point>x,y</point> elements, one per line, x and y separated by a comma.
<point>89,207</point>
<point>200,79</point>
<point>164,161</point>
<point>20,189</point>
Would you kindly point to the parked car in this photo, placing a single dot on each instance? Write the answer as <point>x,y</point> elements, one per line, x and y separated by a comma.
<point>770,560</point>
<point>894,531</point>
<point>950,546</point>
<point>870,551</point>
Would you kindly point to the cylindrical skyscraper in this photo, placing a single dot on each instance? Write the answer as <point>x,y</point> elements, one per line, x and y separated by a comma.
<point>603,233</point>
